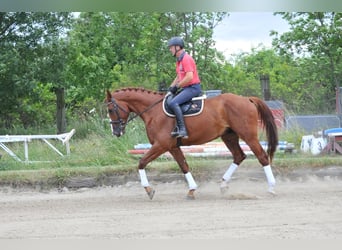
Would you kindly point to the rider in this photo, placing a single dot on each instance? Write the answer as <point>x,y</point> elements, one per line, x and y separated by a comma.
<point>187,78</point>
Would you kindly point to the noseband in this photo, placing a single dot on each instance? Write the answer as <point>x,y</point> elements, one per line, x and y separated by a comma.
<point>115,110</point>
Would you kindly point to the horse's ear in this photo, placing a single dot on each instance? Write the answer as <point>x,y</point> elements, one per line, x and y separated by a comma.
<point>109,95</point>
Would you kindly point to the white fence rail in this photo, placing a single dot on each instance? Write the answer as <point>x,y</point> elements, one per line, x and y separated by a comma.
<point>64,138</point>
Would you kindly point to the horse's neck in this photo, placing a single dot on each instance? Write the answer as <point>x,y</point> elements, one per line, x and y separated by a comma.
<point>137,106</point>
<point>141,103</point>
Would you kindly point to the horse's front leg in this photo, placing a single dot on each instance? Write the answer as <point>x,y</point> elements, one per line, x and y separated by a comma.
<point>150,155</point>
<point>179,157</point>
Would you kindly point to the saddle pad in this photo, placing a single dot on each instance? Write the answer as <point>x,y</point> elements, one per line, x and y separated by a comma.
<point>191,108</point>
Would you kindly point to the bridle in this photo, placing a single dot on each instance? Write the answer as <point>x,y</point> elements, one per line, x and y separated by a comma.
<point>116,109</point>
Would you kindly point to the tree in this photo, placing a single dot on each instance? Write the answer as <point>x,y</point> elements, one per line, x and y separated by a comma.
<point>112,50</point>
<point>23,40</point>
<point>52,69</point>
<point>244,77</point>
<point>78,61</point>
<point>316,38</point>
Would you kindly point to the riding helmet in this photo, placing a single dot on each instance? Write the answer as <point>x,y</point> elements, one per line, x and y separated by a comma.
<point>174,41</point>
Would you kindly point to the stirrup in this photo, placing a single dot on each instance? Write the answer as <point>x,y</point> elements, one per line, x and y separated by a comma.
<point>175,132</point>
<point>183,135</point>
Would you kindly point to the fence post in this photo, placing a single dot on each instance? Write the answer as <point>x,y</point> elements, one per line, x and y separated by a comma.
<point>265,87</point>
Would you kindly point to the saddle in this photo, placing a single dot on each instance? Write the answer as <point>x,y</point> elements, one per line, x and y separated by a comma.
<point>190,108</point>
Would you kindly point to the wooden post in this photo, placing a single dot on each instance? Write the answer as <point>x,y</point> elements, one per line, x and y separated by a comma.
<point>265,87</point>
<point>60,112</point>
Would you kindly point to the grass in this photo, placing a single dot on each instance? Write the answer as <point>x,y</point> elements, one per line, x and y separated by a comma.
<point>57,177</point>
<point>96,153</point>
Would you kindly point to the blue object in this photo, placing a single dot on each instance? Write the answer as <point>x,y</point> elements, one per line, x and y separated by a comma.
<point>332,130</point>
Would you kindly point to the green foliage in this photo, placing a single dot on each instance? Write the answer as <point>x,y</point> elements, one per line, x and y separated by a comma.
<point>129,49</point>
<point>43,54</point>
<point>293,135</point>
<point>24,39</point>
<point>99,152</point>
<point>316,39</point>
<point>93,145</point>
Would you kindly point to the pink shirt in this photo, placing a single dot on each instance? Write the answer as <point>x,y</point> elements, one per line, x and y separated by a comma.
<point>187,64</point>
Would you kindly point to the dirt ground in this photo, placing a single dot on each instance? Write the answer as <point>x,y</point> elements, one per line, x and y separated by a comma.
<point>308,205</point>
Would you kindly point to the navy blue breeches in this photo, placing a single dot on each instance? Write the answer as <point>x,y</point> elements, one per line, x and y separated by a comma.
<point>185,95</point>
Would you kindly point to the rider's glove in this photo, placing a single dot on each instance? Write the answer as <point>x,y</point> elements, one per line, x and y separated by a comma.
<point>173,89</point>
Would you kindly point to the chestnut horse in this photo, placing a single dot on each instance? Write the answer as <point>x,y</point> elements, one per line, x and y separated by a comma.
<point>229,116</point>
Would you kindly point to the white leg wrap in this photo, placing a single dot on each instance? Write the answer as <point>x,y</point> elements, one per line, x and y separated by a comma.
<point>143,178</point>
<point>228,174</point>
<point>191,182</point>
<point>270,177</point>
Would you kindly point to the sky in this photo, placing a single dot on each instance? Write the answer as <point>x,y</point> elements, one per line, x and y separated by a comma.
<point>242,31</point>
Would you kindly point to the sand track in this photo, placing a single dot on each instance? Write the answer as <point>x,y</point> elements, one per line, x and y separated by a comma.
<point>307,206</point>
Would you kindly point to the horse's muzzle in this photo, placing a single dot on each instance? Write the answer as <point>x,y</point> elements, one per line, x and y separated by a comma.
<point>118,133</point>
<point>118,128</point>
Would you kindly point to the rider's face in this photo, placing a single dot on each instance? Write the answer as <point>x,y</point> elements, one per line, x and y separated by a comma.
<point>172,49</point>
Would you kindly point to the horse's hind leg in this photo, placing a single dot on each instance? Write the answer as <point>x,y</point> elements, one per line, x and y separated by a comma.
<point>231,140</point>
<point>179,157</point>
<point>260,153</point>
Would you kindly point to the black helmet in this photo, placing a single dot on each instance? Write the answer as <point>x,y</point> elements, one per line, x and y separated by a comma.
<point>174,41</point>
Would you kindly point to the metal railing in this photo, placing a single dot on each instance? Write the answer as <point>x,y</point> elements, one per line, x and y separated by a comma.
<point>64,138</point>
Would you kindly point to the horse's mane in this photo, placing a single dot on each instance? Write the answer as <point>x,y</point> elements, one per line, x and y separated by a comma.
<point>139,89</point>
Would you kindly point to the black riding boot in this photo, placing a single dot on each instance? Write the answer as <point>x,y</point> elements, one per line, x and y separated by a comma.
<point>180,130</point>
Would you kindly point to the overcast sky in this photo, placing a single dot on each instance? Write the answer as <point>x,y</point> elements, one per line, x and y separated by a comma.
<point>242,31</point>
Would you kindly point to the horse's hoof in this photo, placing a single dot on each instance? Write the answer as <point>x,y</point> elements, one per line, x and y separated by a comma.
<point>224,188</point>
<point>150,192</point>
<point>272,192</point>
<point>191,195</point>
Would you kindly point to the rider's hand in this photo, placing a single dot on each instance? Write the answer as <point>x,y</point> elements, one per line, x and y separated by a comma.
<point>173,89</point>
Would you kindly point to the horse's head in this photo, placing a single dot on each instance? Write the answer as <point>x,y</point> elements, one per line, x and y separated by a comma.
<point>118,114</point>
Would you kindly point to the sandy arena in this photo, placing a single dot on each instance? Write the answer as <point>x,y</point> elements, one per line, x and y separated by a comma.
<point>307,206</point>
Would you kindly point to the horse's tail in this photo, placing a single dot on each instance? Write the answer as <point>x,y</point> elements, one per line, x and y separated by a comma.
<point>269,125</point>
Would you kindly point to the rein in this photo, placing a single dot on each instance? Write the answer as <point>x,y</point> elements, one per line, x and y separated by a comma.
<point>144,111</point>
